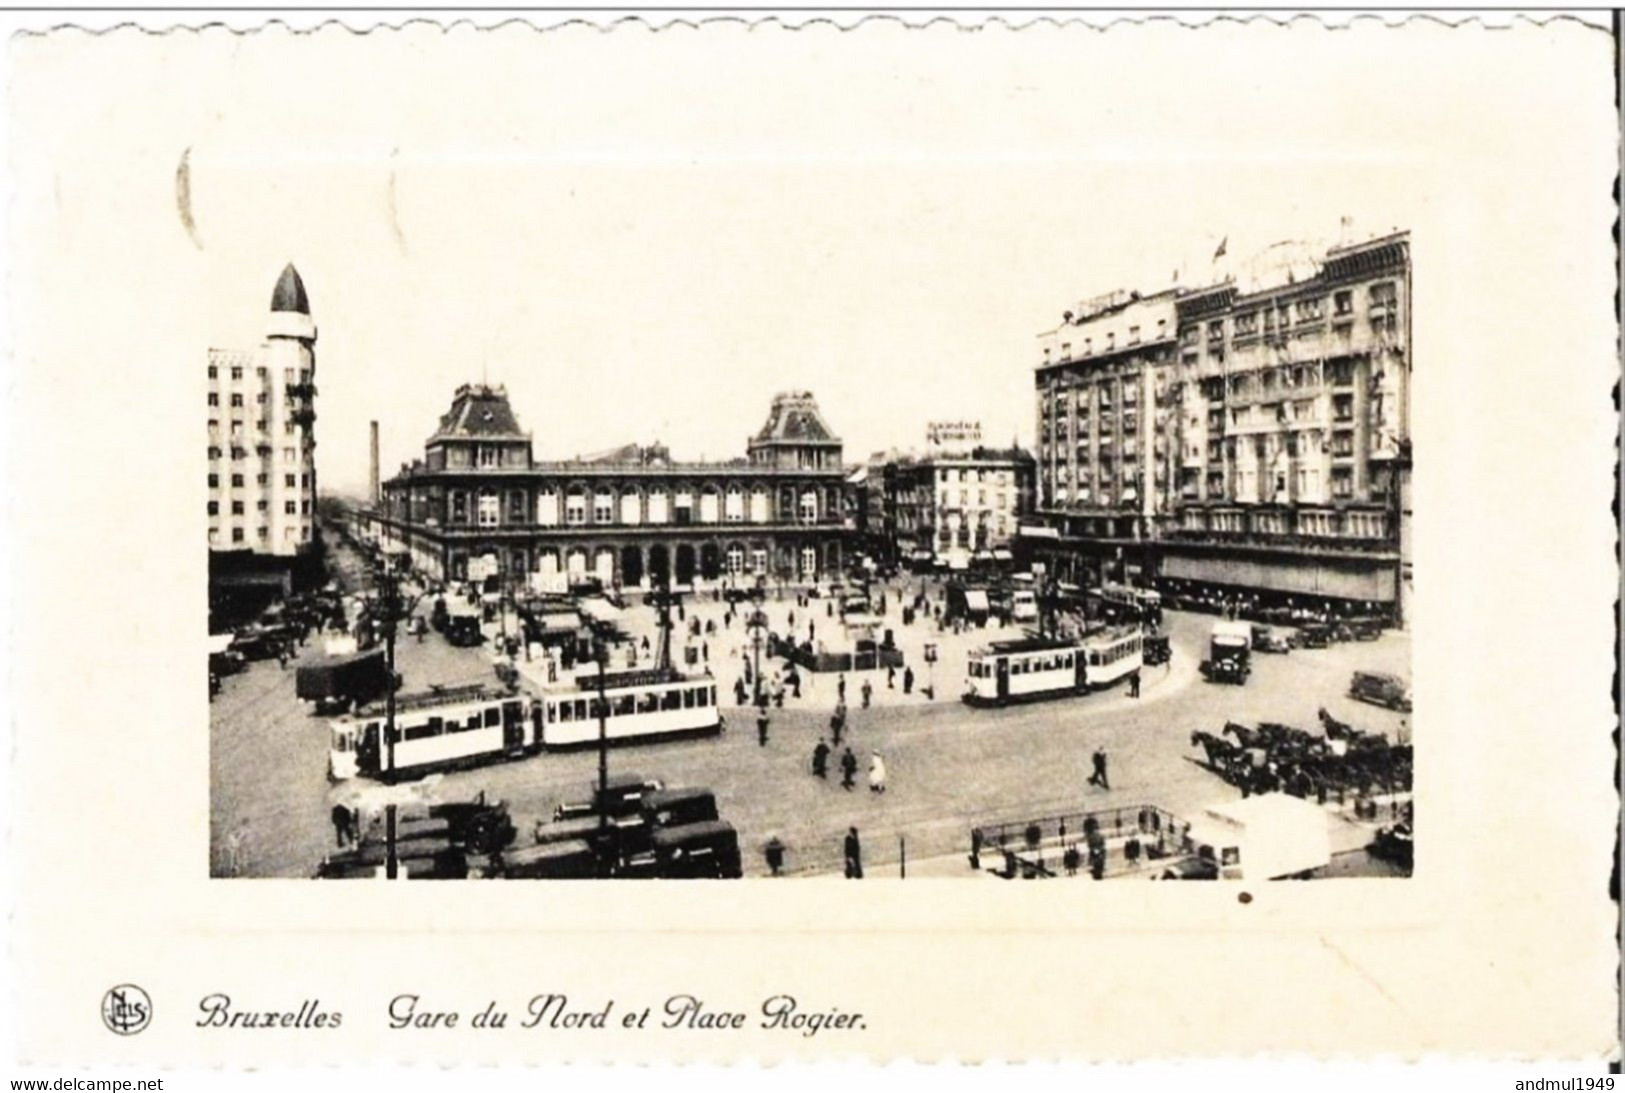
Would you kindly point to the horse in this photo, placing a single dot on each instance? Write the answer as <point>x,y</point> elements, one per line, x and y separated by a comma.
<point>1220,752</point>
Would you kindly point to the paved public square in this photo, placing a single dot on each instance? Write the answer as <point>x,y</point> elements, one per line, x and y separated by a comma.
<point>949,767</point>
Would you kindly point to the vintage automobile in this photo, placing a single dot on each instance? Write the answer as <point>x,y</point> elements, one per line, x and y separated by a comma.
<point>1364,629</point>
<point>1315,635</point>
<point>622,795</point>
<point>679,807</point>
<point>1394,844</point>
<point>570,859</point>
<point>464,631</point>
<point>1156,649</point>
<point>413,862</point>
<point>1268,639</point>
<point>708,851</point>
<point>1381,689</point>
<point>252,644</point>
<point>343,681</point>
<point>480,826</point>
<point>1197,868</point>
<point>1229,656</point>
<point>224,658</point>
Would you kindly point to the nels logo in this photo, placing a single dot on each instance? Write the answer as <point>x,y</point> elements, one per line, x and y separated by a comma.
<point>126,1009</point>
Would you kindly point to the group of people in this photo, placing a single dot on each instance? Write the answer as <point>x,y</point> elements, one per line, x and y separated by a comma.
<point>849,766</point>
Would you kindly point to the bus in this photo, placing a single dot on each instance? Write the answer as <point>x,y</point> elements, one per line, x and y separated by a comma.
<point>1036,669</point>
<point>645,704</point>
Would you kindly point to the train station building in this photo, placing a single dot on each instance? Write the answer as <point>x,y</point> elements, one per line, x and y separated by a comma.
<point>1246,437</point>
<point>479,503</point>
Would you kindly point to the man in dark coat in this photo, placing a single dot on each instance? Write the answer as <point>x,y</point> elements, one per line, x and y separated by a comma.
<point>761,728</point>
<point>343,825</point>
<point>820,760</point>
<point>908,680</point>
<point>849,768</point>
<point>852,850</point>
<point>1098,778</point>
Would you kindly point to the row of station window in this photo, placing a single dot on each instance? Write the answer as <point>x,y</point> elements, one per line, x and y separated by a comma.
<point>659,507</point>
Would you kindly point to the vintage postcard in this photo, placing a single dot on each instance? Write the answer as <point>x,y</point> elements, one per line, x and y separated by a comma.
<point>649,479</point>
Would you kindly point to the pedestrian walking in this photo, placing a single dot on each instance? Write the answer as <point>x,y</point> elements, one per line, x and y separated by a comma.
<point>1098,778</point>
<point>1134,685</point>
<point>877,773</point>
<point>837,722</point>
<point>739,692</point>
<point>343,825</point>
<point>820,760</point>
<point>908,680</point>
<point>868,692</point>
<point>705,651</point>
<point>852,850</point>
<point>891,677</point>
<point>282,655</point>
<point>795,683</point>
<point>849,769</point>
<point>840,688</point>
<point>761,728</point>
<point>774,853</point>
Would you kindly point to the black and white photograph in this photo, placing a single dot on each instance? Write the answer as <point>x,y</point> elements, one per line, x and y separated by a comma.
<point>1158,632</point>
<point>878,460</point>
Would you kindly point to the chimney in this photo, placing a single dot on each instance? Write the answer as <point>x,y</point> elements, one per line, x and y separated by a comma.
<point>372,465</point>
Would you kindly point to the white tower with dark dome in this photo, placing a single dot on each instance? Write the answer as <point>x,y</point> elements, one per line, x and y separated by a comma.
<point>262,441</point>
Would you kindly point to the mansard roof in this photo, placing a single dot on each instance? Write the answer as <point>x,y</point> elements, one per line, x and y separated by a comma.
<point>795,419</point>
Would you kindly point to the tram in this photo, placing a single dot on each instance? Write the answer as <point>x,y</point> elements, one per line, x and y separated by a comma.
<point>647,704</point>
<point>1036,669</point>
<point>435,730</point>
<point>468,726</point>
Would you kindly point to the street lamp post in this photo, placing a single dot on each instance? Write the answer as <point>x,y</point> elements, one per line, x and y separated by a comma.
<point>391,609</point>
<point>758,620</point>
<point>600,653</point>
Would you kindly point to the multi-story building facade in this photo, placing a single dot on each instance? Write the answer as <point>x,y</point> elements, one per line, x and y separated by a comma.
<point>947,507</point>
<point>1247,437</point>
<point>480,499</point>
<point>262,442</point>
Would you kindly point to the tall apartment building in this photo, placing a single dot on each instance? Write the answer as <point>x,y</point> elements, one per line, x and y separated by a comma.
<point>1248,437</point>
<point>262,447</point>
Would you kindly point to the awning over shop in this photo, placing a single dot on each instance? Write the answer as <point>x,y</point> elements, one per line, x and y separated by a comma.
<point>599,610</point>
<point>1002,555</point>
<point>219,643</point>
<point>976,599</point>
<point>558,622</point>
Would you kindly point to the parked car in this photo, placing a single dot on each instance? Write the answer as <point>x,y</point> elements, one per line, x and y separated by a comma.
<point>1381,689</point>
<point>1268,639</point>
<point>1315,635</point>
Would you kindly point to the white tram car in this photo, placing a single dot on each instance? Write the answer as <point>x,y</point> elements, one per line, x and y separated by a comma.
<point>1034,669</point>
<point>652,703</point>
<point>436,730</point>
<point>467,726</point>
